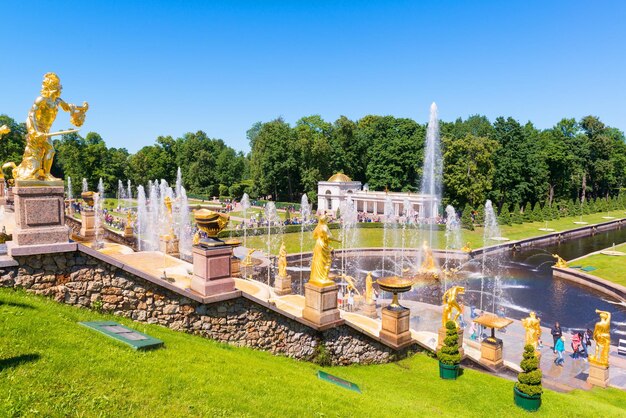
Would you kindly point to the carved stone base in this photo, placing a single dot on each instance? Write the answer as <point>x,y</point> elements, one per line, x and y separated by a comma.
<point>235,267</point>
<point>491,353</point>
<point>369,310</point>
<point>395,327</point>
<point>212,271</point>
<point>442,336</point>
<point>39,216</point>
<point>169,246</point>
<point>598,375</point>
<point>88,224</point>
<point>321,304</point>
<point>282,285</point>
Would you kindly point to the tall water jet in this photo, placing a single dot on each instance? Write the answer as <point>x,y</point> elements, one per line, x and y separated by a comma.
<point>272,218</point>
<point>99,208</point>
<point>185,232</point>
<point>349,217</point>
<point>431,178</point>
<point>85,185</point>
<point>491,263</point>
<point>305,215</point>
<point>142,218</point>
<point>69,189</point>
<point>121,192</point>
<point>245,205</point>
<point>453,238</point>
<point>389,222</point>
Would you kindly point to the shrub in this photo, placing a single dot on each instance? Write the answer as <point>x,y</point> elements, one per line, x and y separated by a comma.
<point>516,216</point>
<point>537,214</point>
<point>546,212</point>
<point>480,215</point>
<point>505,216</point>
<point>528,212</point>
<point>321,355</point>
<point>466,218</point>
<point>449,352</point>
<point>529,380</point>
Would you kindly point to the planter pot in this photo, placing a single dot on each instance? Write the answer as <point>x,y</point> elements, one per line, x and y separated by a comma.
<point>448,371</point>
<point>527,402</point>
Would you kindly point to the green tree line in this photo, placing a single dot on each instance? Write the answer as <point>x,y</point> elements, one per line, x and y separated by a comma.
<point>512,164</point>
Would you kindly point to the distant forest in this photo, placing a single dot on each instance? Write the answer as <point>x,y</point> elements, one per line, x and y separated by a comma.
<point>510,163</point>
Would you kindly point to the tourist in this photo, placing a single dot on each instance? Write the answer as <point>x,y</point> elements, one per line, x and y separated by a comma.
<point>556,334</point>
<point>340,298</point>
<point>559,348</point>
<point>576,346</point>
<point>473,332</point>
<point>350,301</point>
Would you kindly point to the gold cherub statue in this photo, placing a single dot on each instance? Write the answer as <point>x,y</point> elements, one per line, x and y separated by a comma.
<point>322,254</point>
<point>4,130</point>
<point>467,248</point>
<point>532,325</point>
<point>39,151</point>
<point>450,302</point>
<point>602,337</point>
<point>560,263</point>
<point>247,261</point>
<point>282,260</point>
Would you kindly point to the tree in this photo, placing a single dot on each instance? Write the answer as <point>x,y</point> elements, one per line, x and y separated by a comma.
<point>468,169</point>
<point>516,216</point>
<point>505,216</point>
<point>537,213</point>
<point>528,213</point>
<point>529,379</point>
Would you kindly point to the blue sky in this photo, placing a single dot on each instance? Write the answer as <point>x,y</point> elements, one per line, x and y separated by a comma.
<point>165,68</point>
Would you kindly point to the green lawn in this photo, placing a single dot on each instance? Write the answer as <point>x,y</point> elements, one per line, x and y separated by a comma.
<point>608,267</point>
<point>373,237</point>
<point>51,366</point>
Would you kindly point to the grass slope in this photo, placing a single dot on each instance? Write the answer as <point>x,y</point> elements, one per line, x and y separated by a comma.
<point>51,366</point>
<point>373,237</point>
<point>608,267</point>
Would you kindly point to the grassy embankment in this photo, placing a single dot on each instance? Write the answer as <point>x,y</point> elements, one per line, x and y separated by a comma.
<point>608,267</point>
<point>373,237</point>
<point>51,366</point>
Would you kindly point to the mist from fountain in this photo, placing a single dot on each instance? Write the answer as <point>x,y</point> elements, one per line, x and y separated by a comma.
<point>142,219</point>
<point>85,185</point>
<point>273,220</point>
<point>432,178</point>
<point>185,231</point>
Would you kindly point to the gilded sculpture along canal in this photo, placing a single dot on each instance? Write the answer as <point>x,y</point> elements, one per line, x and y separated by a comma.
<point>322,254</point>
<point>39,152</point>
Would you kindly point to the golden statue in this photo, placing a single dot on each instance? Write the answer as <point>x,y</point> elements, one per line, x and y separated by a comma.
<point>322,253</point>
<point>450,302</point>
<point>602,337</point>
<point>560,263</point>
<point>247,261</point>
<point>369,289</point>
<point>532,325</point>
<point>282,260</point>
<point>467,248</point>
<point>4,130</point>
<point>428,265</point>
<point>39,151</point>
<point>210,222</point>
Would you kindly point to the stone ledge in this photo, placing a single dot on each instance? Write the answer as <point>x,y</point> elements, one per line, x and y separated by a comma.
<point>588,280</point>
<point>22,250</point>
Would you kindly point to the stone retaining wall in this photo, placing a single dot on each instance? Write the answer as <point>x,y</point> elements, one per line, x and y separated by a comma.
<point>108,235</point>
<point>79,279</point>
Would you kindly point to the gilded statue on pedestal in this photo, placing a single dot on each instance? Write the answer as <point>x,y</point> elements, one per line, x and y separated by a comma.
<point>39,151</point>
<point>602,337</point>
<point>369,289</point>
<point>322,254</point>
<point>450,302</point>
<point>532,325</point>
<point>282,260</point>
<point>4,130</point>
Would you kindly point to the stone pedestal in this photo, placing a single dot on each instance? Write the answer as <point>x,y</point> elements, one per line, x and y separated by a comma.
<point>321,304</point>
<point>442,336</point>
<point>491,353</point>
<point>88,223</point>
<point>212,271</point>
<point>39,215</point>
<point>9,200</point>
<point>395,327</point>
<point>128,231</point>
<point>598,375</point>
<point>369,310</point>
<point>169,245</point>
<point>282,285</point>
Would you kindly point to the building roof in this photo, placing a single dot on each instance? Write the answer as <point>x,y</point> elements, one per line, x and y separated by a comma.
<point>339,178</point>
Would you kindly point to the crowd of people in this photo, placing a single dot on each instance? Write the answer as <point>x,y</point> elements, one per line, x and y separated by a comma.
<point>580,343</point>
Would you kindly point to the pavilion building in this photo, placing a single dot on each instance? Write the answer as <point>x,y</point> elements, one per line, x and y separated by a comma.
<point>333,192</point>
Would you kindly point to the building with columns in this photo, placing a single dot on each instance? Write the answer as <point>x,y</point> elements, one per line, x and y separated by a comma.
<point>333,192</point>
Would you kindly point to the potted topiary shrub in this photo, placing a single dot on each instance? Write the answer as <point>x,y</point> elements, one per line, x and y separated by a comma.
<point>448,355</point>
<point>527,390</point>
